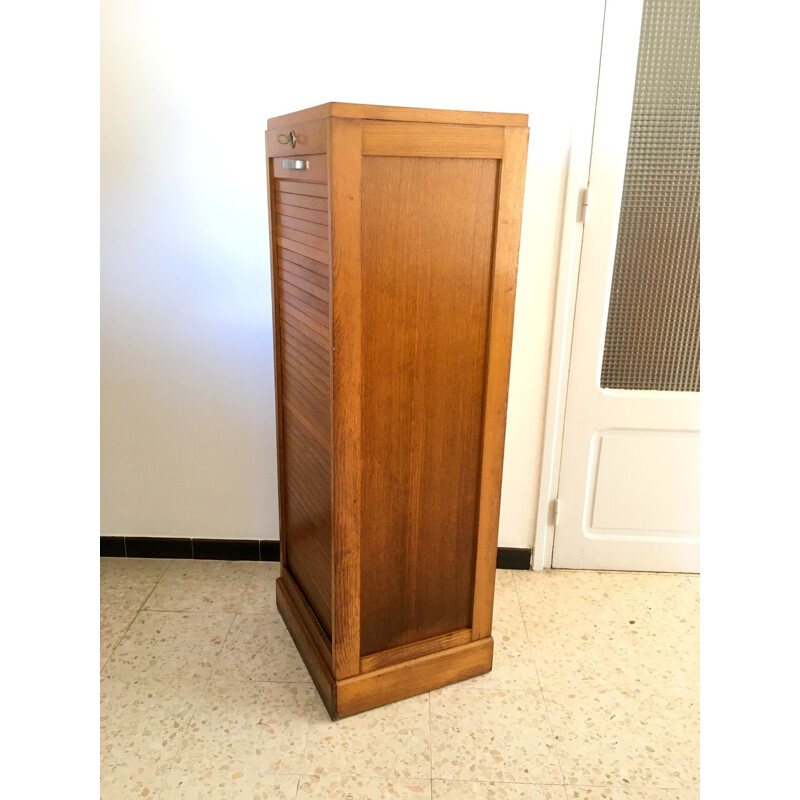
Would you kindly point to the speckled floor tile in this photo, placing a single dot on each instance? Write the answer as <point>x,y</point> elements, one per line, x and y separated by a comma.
<point>239,725</point>
<point>656,634</point>
<point>616,653</point>
<point>138,780</point>
<point>506,610</point>
<point>513,664</point>
<point>641,634</point>
<point>504,577</point>
<point>627,793</point>
<point>491,735</point>
<point>657,600</point>
<point>129,581</point>
<point>167,643</point>
<point>247,782</point>
<point>316,787</point>
<point>114,621</point>
<point>572,593</point>
<point>650,660</point>
<point>210,586</point>
<point>259,593</point>
<point>142,722</point>
<point>471,790</point>
<point>615,739</point>
<point>259,648</point>
<point>573,654</point>
<point>388,742</point>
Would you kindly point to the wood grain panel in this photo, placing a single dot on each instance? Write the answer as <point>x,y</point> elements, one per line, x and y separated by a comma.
<point>289,294</point>
<point>415,650</point>
<point>319,267</point>
<point>310,299</point>
<point>292,187</point>
<point>302,318</point>
<point>315,320</point>
<point>289,210</point>
<point>317,242</point>
<point>312,624</point>
<point>413,677</point>
<point>289,268</point>
<point>344,145</point>
<point>307,338</point>
<point>426,280</point>
<point>308,552</point>
<point>300,631</point>
<point>312,407</point>
<point>509,222</point>
<point>302,296</point>
<point>314,463</point>
<point>305,280</point>
<point>302,249</point>
<point>304,420</point>
<point>302,201</point>
<point>304,380</point>
<point>303,225</point>
<point>402,113</point>
<point>430,140</point>
<point>310,362</point>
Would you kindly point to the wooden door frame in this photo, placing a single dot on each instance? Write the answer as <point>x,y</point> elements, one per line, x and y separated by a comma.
<point>574,213</point>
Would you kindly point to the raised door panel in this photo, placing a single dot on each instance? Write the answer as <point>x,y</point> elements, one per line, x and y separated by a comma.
<point>427,227</point>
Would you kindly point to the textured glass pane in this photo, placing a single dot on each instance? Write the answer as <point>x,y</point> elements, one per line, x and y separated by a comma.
<point>653,331</point>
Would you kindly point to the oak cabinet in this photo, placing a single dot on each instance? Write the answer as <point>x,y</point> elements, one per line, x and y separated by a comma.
<point>395,234</point>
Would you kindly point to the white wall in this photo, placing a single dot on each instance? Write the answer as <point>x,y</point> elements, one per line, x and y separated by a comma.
<point>187,423</point>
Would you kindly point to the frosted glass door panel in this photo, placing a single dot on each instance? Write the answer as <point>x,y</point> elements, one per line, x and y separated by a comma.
<point>652,338</point>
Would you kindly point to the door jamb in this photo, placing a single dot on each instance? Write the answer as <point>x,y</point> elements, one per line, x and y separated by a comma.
<point>574,214</point>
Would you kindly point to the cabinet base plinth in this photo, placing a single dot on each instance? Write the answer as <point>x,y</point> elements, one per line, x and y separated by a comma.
<point>379,687</point>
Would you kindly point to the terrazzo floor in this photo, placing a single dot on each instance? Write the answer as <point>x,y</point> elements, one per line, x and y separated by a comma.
<point>594,694</point>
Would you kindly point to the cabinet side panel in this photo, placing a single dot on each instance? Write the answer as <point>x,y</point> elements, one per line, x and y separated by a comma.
<point>302,289</point>
<point>427,255</point>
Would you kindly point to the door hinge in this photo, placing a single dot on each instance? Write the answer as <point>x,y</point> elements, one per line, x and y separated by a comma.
<point>583,204</point>
<point>556,511</point>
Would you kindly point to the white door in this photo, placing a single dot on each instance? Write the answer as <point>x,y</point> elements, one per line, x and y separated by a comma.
<point>628,491</point>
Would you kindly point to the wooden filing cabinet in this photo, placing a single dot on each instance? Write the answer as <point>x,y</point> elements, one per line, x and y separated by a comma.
<point>395,234</point>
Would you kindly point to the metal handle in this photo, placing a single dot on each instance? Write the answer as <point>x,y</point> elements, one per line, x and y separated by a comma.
<point>293,163</point>
<point>287,138</point>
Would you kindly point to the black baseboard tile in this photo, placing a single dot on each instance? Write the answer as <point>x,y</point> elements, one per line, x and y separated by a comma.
<point>226,549</point>
<point>243,550</point>
<point>112,546</point>
<point>157,547</point>
<point>513,558</point>
<point>270,549</point>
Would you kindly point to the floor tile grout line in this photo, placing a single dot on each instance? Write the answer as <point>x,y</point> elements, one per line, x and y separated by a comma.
<point>430,739</point>
<point>133,619</point>
<point>494,780</point>
<point>541,691</point>
<point>198,698</point>
<point>308,732</point>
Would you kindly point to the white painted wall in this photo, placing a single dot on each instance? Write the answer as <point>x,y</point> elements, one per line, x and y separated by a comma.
<point>187,423</point>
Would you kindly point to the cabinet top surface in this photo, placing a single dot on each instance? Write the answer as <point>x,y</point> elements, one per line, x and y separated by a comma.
<point>400,114</point>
